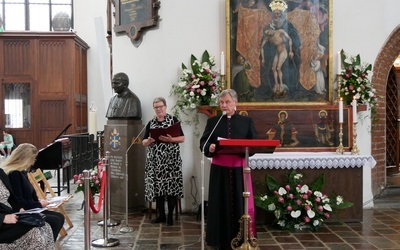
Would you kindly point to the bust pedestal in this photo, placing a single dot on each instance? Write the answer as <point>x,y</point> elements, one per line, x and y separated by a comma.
<point>118,135</point>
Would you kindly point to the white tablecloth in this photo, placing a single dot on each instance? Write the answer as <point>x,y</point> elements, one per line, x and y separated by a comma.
<point>303,160</point>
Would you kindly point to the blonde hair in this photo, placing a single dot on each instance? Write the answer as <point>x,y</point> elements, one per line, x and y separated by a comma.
<point>21,158</point>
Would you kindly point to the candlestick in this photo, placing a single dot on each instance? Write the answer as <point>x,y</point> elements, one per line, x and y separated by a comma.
<point>222,63</point>
<point>354,149</point>
<point>339,64</point>
<point>340,148</point>
<point>341,110</point>
<point>354,104</point>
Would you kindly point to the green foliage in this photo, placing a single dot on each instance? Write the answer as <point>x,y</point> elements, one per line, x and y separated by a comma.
<point>197,86</point>
<point>297,206</point>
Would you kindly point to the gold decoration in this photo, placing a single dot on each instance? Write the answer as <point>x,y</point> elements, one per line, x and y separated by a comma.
<point>278,5</point>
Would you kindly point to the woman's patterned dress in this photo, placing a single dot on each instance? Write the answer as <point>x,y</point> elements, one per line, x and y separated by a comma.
<point>163,169</point>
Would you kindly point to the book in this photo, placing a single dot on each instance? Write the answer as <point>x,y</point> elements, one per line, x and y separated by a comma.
<point>173,130</point>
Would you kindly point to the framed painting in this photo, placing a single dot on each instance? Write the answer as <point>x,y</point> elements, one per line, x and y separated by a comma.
<point>280,51</point>
<point>313,129</point>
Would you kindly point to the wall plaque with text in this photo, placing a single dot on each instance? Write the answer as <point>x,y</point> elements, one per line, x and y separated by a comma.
<point>133,16</point>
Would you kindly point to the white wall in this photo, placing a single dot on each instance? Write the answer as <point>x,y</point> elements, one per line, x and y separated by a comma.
<point>189,27</point>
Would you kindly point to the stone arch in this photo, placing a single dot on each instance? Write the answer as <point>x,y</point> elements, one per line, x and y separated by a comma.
<point>383,63</point>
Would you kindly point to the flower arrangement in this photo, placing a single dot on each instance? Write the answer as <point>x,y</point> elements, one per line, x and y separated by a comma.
<point>298,206</point>
<point>196,87</point>
<point>95,182</point>
<point>355,82</point>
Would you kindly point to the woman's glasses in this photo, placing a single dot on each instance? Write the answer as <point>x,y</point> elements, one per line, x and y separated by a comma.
<point>158,107</point>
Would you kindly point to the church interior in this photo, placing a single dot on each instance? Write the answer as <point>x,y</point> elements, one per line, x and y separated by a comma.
<point>288,61</point>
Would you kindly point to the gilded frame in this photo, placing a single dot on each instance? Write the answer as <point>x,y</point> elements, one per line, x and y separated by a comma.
<point>307,75</point>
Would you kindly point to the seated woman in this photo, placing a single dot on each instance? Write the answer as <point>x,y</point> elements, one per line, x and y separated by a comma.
<point>16,166</point>
<point>7,143</point>
<point>15,235</point>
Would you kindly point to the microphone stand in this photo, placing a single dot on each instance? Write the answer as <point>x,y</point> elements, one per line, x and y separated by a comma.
<point>127,228</point>
<point>202,182</point>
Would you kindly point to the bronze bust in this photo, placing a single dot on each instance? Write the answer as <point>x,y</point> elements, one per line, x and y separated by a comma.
<point>125,104</point>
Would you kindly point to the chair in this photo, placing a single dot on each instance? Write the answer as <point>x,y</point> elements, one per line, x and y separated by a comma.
<point>178,209</point>
<point>35,178</point>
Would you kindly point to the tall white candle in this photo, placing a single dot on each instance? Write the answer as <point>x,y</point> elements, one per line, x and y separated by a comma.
<point>222,63</point>
<point>92,127</point>
<point>339,64</point>
<point>354,103</point>
<point>341,110</point>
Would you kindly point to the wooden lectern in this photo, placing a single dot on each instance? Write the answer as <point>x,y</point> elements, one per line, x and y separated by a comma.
<point>246,147</point>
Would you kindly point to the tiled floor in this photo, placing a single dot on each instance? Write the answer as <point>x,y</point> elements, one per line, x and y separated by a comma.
<point>380,229</point>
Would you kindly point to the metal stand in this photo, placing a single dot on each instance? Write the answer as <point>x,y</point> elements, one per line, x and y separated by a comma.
<point>106,242</point>
<point>126,228</point>
<point>107,205</point>
<point>340,148</point>
<point>355,150</point>
<point>245,232</point>
<point>86,179</point>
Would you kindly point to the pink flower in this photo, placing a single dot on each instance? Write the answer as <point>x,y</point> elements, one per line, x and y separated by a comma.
<point>210,83</point>
<point>291,196</point>
<point>347,76</point>
<point>75,177</point>
<point>327,215</point>
<point>305,197</point>
<point>363,75</point>
<point>214,87</point>
<point>281,200</point>
<point>287,187</point>
<point>306,219</point>
<point>97,182</point>
<point>298,202</point>
<point>198,90</point>
<point>202,83</point>
<point>351,87</point>
<point>318,199</point>
<point>320,208</point>
<point>78,182</point>
<point>207,71</point>
<point>289,208</point>
<point>214,75</point>
<point>307,207</point>
<point>193,76</point>
<point>276,192</point>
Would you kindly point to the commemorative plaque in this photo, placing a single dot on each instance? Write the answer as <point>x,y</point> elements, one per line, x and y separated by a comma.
<point>134,16</point>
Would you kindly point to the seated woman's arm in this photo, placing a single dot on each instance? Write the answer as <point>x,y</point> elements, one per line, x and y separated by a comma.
<point>23,190</point>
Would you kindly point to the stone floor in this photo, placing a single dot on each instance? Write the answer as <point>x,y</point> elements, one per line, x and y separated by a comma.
<point>380,229</point>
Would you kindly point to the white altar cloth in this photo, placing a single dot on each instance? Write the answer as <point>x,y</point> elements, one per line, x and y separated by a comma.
<point>303,160</point>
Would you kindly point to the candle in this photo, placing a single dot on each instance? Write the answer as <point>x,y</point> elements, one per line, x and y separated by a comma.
<point>339,62</point>
<point>92,128</point>
<point>341,110</point>
<point>222,63</point>
<point>354,103</point>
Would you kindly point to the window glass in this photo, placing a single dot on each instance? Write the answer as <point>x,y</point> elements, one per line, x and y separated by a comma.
<point>14,1</point>
<point>15,17</point>
<point>39,1</point>
<point>61,1</point>
<point>38,21</point>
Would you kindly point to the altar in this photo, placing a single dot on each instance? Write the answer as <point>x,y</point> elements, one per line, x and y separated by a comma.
<point>343,176</point>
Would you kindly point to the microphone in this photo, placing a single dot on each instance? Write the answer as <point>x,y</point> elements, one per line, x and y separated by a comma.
<point>216,125</point>
<point>202,182</point>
